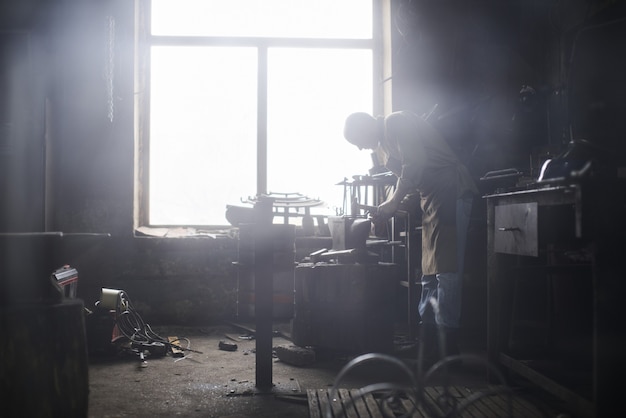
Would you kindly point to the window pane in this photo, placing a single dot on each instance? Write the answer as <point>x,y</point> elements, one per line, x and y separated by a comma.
<point>202,133</point>
<point>267,18</point>
<point>310,92</point>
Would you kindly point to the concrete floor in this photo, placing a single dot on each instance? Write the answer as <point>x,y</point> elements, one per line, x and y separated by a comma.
<point>220,383</point>
<point>215,383</point>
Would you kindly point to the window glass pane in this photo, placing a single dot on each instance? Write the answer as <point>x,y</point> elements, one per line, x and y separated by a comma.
<point>202,132</point>
<point>266,18</point>
<point>310,92</point>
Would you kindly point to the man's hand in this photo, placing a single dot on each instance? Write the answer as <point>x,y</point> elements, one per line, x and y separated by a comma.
<point>387,209</point>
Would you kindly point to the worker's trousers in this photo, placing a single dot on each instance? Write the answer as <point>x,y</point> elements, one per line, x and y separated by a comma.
<point>440,302</point>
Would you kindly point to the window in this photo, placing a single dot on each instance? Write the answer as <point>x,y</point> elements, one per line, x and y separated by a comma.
<point>249,97</point>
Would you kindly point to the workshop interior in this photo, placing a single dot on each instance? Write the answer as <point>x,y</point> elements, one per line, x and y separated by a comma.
<point>185,231</point>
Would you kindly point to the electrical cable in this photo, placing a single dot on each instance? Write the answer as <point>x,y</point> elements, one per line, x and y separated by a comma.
<point>139,333</point>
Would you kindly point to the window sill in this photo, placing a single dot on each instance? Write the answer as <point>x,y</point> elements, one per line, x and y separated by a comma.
<point>183,232</point>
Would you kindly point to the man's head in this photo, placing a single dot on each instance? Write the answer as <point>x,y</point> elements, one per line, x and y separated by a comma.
<point>361,130</point>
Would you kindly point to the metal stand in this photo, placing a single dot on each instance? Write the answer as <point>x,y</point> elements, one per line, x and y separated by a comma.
<point>263,291</point>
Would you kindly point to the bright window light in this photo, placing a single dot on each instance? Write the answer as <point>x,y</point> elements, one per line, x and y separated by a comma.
<point>204,104</point>
<point>263,18</point>
<point>310,92</point>
<point>202,132</point>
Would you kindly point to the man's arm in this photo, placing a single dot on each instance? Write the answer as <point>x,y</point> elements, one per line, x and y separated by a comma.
<point>387,209</point>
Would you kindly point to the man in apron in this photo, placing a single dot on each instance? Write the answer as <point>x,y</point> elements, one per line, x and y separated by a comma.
<point>424,163</point>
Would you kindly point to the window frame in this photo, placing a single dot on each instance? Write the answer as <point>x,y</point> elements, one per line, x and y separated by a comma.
<point>144,40</point>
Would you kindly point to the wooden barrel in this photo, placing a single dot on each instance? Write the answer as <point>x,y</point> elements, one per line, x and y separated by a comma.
<point>345,306</point>
<point>282,241</point>
<point>43,359</point>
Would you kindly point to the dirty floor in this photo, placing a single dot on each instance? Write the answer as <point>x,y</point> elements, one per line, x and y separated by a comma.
<point>221,384</point>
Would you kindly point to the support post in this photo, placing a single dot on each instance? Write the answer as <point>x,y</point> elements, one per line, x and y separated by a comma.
<point>263,292</point>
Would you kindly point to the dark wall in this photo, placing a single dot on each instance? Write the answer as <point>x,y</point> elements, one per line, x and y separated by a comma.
<point>69,167</point>
<point>21,119</point>
<point>473,58</point>
<point>91,91</point>
<point>597,81</point>
<point>67,141</point>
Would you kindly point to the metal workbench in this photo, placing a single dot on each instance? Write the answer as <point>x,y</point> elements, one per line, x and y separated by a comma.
<point>556,276</point>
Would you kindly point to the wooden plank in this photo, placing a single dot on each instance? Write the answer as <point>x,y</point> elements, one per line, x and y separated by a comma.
<point>359,404</point>
<point>323,401</point>
<point>364,406</point>
<point>335,404</point>
<point>473,411</point>
<point>450,396</point>
<point>537,408</point>
<point>446,400</point>
<point>372,406</point>
<point>315,410</point>
<point>497,405</point>
<point>402,406</point>
<point>452,392</point>
<point>505,404</point>
<point>424,404</point>
<point>349,404</point>
<point>384,407</point>
<point>346,402</point>
<point>431,396</point>
<point>417,411</point>
<point>520,407</point>
<point>487,408</point>
<point>491,405</point>
<point>460,394</point>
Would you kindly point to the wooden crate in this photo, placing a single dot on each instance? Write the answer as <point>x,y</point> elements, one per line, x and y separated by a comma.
<point>350,404</point>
